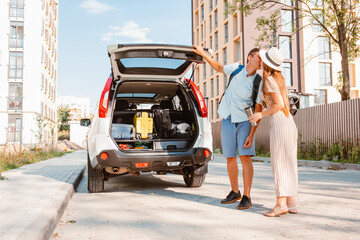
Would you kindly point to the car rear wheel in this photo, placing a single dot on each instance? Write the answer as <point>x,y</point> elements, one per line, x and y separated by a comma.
<point>95,179</point>
<point>191,178</point>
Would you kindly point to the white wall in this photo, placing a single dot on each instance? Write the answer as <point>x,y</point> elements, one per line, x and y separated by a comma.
<point>4,59</point>
<point>78,133</point>
<point>33,68</point>
<point>311,65</point>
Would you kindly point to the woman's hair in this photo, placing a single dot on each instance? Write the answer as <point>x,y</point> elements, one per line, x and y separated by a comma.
<point>279,78</point>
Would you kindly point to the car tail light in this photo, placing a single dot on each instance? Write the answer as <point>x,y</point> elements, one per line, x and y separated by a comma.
<point>140,165</point>
<point>199,98</point>
<point>206,153</point>
<point>104,156</point>
<point>104,100</point>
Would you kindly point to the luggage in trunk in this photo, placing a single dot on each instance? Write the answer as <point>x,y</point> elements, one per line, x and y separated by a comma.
<point>144,124</point>
<point>162,123</point>
<point>123,131</point>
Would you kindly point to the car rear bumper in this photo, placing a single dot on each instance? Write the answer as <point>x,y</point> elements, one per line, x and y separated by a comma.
<point>156,163</point>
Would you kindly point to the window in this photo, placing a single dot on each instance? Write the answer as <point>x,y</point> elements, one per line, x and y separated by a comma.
<point>212,87</point>
<point>216,19</point>
<point>16,34</point>
<point>285,46</point>
<point>196,20</point>
<point>286,20</point>
<point>325,74</point>
<point>217,107</point>
<point>225,81</point>
<point>320,97</point>
<point>197,79</point>
<point>226,32</point>
<point>235,25</point>
<point>217,86</point>
<point>210,19</point>
<point>352,74</point>
<point>202,12</point>
<point>211,5</point>
<point>15,96</point>
<point>238,50</point>
<point>14,128</point>
<point>315,25</point>
<point>202,32</point>
<point>204,71</point>
<point>211,42</point>
<point>205,92</point>
<point>17,8</point>
<point>225,56</point>
<point>216,41</point>
<point>324,47</point>
<point>287,71</point>
<point>176,102</point>
<point>16,65</point>
<point>226,10</point>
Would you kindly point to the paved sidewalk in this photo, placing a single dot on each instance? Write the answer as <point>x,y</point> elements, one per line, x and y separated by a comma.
<point>34,197</point>
<point>161,207</point>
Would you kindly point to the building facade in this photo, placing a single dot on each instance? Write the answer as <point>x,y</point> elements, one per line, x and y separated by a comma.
<point>78,107</point>
<point>310,65</point>
<point>28,70</point>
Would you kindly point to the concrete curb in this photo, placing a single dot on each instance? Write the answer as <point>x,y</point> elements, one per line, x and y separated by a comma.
<point>328,165</point>
<point>318,164</point>
<point>44,226</point>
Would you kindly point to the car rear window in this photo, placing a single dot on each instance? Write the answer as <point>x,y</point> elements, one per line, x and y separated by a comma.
<point>136,95</point>
<point>152,63</point>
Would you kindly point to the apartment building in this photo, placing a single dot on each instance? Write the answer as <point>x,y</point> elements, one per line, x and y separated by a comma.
<point>306,66</point>
<point>78,107</point>
<point>28,69</point>
<point>322,62</point>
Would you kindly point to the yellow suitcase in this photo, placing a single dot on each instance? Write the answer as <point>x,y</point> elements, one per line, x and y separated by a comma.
<point>144,124</point>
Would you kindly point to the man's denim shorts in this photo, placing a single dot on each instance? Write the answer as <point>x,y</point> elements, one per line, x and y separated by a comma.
<point>233,138</point>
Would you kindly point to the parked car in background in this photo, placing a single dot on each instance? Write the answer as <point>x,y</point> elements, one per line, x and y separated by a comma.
<point>150,118</point>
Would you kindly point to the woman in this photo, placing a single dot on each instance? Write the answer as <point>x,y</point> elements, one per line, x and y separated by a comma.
<point>283,133</point>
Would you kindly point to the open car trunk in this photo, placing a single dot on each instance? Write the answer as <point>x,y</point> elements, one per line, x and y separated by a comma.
<point>153,116</point>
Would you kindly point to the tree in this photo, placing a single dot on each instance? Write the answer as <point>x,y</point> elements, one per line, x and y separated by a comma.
<point>63,118</point>
<point>338,19</point>
<point>41,124</point>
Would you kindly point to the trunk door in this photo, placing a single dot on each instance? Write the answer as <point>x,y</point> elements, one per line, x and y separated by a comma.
<point>149,61</point>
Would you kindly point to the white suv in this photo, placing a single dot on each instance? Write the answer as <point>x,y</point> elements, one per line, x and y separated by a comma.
<point>149,117</point>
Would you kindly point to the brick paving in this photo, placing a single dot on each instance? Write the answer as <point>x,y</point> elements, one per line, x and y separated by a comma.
<point>33,197</point>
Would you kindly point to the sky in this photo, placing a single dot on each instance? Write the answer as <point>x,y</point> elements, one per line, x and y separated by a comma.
<point>87,27</point>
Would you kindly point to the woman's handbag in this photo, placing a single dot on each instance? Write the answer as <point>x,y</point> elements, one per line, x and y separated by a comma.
<point>294,103</point>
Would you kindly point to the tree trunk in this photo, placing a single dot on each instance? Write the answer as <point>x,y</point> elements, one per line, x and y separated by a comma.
<point>344,51</point>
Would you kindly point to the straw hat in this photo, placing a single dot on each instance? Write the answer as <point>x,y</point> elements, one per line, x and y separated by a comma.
<point>273,58</point>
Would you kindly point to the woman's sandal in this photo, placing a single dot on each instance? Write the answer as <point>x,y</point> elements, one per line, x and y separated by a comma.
<point>277,211</point>
<point>292,210</point>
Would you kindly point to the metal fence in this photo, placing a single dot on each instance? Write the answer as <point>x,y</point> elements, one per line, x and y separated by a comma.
<point>328,123</point>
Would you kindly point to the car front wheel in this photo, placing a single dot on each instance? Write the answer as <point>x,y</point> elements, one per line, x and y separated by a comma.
<point>191,178</point>
<point>95,179</point>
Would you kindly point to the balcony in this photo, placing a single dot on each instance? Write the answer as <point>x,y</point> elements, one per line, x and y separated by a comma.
<point>13,135</point>
<point>15,103</point>
<point>16,42</point>
<point>17,11</point>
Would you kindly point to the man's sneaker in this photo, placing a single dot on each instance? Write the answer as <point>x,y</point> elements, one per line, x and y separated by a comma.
<point>232,197</point>
<point>245,203</point>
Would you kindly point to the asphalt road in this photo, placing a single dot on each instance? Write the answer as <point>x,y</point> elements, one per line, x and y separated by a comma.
<point>161,207</point>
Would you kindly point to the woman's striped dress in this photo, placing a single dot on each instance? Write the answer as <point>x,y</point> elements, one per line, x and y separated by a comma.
<point>283,147</point>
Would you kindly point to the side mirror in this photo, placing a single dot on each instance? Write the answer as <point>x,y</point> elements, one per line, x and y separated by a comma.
<point>85,122</point>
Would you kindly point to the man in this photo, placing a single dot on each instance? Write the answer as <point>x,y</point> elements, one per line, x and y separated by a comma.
<point>236,131</point>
